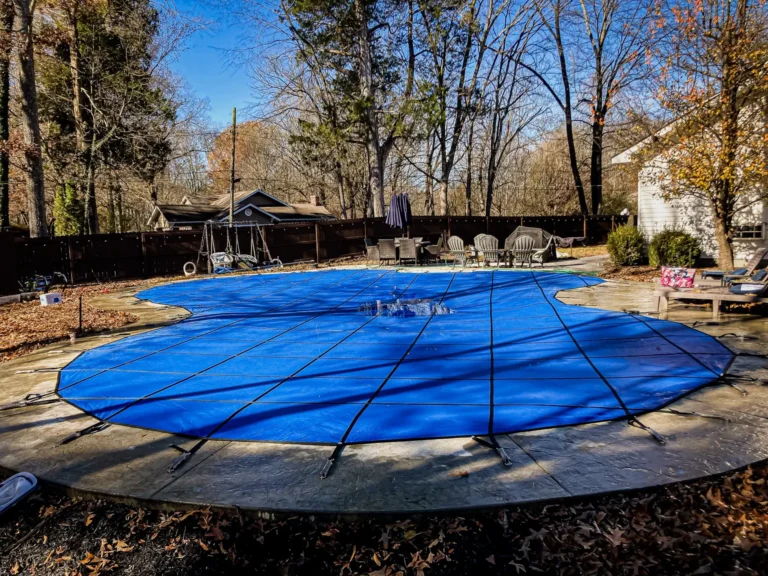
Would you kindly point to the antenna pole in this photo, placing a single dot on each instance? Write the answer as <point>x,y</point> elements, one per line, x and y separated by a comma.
<point>232,175</point>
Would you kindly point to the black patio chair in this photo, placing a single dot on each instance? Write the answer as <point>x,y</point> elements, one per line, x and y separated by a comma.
<point>387,250</point>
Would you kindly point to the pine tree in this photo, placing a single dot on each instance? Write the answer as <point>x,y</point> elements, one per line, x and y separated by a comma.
<point>68,211</point>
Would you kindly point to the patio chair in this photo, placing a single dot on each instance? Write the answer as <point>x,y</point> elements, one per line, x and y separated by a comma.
<point>408,250</point>
<point>747,270</point>
<point>387,250</point>
<point>522,251</point>
<point>477,239</point>
<point>488,246</point>
<point>434,251</point>
<point>371,250</point>
<point>755,284</point>
<point>457,249</point>
<point>542,254</point>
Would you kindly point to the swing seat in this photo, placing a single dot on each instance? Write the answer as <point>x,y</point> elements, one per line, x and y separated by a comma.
<point>222,259</point>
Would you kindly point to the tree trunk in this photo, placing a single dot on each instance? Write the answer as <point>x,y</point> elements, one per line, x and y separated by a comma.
<point>724,244</point>
<point>340,185</point>
<point>377,181</point>
<point>83,130</point>
<point>574,163</point>
<point>490,184</point>
<point>443,195</point>
<point>596,165</point>
<point>30,122</point>
<point>365,71</point>
<point>111,211</point>
<point>429,180</point>
<point>119,208</point>
<point>6,21</point>
<point>468,188</point>
<point>91,211</point>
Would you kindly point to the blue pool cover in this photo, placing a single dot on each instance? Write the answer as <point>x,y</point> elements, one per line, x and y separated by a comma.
<point>319,357</point>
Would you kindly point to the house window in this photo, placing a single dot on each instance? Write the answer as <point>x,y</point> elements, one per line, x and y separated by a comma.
<point>751,232</point>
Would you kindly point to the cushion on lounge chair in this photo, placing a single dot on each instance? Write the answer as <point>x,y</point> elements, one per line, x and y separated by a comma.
<point>747,288</point>
<point>677,277</point>
<point>720,273</point>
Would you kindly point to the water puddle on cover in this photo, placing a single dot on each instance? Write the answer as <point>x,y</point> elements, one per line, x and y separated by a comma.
<point>404,308</point>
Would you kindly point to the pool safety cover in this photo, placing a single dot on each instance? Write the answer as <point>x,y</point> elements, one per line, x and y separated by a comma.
<point>355,356</point>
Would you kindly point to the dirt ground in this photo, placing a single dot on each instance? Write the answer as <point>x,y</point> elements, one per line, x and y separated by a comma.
<point>714,526</point>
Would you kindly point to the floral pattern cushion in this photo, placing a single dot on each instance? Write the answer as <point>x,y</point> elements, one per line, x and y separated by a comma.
<point>677,277</point>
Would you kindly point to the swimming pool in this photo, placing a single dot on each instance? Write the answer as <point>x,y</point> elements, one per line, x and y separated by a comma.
<point>359,356</point>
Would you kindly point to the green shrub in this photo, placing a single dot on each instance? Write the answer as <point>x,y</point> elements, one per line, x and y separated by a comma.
<point>625,245</point>
<point>673,248</point>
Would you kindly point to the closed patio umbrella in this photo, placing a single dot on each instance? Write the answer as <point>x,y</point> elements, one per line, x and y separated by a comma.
<point>399,215</point>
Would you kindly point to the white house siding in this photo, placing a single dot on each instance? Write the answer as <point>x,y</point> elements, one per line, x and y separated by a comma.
<point>655,214</point>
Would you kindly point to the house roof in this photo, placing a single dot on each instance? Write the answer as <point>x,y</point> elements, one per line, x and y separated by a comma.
<point>287,213</point>
<point>201,200</point>
<point>626,156</point>
<point>223,199</point>
<point>196,210</point>
<point>184,213</point>
<point>298,211</point>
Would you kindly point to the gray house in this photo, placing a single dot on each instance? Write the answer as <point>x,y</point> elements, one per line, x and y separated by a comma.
<point>253,207</point>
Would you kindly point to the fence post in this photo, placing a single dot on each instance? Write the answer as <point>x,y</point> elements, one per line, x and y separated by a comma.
<point>144,271</point>
<point>448,222</point>
<point>585,225</point>
<point>71,261</point>
<point>317,243</point>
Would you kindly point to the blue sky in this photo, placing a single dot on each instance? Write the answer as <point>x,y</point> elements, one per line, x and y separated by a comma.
<point>204,64</point>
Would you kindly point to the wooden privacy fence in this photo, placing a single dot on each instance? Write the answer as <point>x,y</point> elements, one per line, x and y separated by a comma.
<point>107,257</point>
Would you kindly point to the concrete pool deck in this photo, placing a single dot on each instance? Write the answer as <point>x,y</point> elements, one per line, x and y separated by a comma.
<point>131,464</point>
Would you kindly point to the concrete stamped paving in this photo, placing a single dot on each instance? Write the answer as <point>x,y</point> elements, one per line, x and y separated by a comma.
<point>444,474</point>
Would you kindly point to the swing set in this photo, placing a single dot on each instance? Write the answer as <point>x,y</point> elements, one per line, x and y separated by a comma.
<point>233,259</point>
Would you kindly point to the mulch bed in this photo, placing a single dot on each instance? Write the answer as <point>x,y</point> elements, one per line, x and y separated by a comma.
<point>633,273</point>
<point>712,526</point>
<point>27,326</point>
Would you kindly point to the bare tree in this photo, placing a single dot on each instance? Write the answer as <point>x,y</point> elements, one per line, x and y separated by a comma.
<point>510,112</point>
<point>6,49</point>
<point>618,33</point>
<point>33,157</point>
<point>457,40</point>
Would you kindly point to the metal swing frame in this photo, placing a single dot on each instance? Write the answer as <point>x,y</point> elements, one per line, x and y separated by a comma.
<point>232,259</point>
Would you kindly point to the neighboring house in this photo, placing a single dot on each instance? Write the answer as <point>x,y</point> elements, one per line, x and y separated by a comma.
<point>693,215</point>
<point>253,207</point>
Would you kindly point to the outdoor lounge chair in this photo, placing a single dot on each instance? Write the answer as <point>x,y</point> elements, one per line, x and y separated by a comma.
<point>434,251</point>
<point>542,255</point>
<point>747,270</point>
<point>457,249</point>
<point>408,250</point>
<point>743,293</point>
<point>387,250</point>
<point>522,251</point>
<point>488,246</point>
<point>755,284</point>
